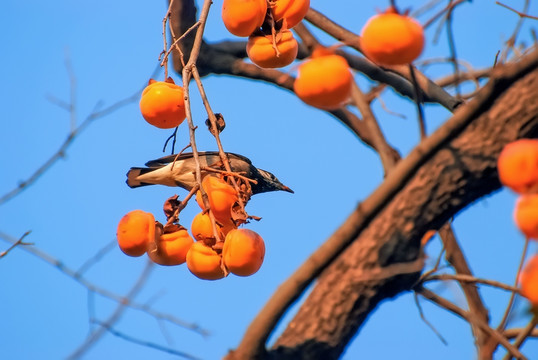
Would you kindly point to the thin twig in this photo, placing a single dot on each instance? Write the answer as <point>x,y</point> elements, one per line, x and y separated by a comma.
<point>60,153</point>
<point>442,302</point>
<point>523,335</point>
<point>429,324</point>
<point>116,315</point>
<point>471,279</point>
<point>504,321</point>
<point>385,151</point>
<point>523,15</point>
<point>103,292</point>
<point>456,258</point>
<point>418,102</point>
<point>15,244</point>
<point>96,258</point>
<point>145,343</point>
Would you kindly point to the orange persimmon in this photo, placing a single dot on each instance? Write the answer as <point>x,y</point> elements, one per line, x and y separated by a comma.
<point>392,39</point>
<point>293,11</point>
<point>202,229</point>
<point>204,262</point>
<point>518,165</point>
<point>135,230</point>
<point>324,81</point>
<point>222,196</point>
<point>243,17</point>
<point>243,252</point>
<point>171,249</point>
<point>260,50</point>
<point>526,215</point>
<point>162,104</point>
<point>528,281</point>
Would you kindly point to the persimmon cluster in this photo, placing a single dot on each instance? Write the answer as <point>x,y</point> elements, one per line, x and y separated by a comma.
<point>266,23</point>
<point>518,170</point>
<point>324,79</point>
<point>217,246</point>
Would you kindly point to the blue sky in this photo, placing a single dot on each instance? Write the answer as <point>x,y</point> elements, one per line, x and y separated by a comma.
<point>74,208</point>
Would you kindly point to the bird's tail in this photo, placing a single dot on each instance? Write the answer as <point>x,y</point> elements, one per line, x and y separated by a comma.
<point>134,173</point>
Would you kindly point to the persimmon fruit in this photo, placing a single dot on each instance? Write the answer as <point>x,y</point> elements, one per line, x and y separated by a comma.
<point>518,165</point>
<point>135,230</point>
<point>324,81</point>
<point>261,52</point>
<point>292,11</point>
<point>528,281</point>
<point>171,249</point>
<point>243,252</point>
<point>526,215</point>
<point>222,196</point>
<point>243,17</point>
<point>392,39</point>
<point>162,104</point>
<point>204,262</point>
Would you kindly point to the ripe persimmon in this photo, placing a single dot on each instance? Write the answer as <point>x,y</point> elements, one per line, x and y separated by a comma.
<point>204,262</point>
<point>324,81</point>
<point>526,215</point>
<point>222,196</point>
<point>171,249</point>
<point>135,231</point>
<point>528,281</point>
<point>202,229</point>
<point>518,165</point>
<point>243,17</point>
<point>260,50</point>
<point>292,11</point>
<point>162,104</point>
<point>392,39</point>
<point>243,252</point>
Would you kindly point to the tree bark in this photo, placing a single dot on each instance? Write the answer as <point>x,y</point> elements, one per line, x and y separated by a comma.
<point>380,262</point>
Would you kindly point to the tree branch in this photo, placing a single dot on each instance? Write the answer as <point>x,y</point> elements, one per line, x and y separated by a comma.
<point>430,200</point>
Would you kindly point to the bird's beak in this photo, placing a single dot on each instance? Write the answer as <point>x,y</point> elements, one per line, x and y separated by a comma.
<point>285,188</point>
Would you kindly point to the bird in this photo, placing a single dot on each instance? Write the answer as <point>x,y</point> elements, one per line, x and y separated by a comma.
<point>181,172</point>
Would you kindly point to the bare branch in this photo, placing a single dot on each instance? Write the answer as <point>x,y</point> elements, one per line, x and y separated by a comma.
<point>95,336</point>
<point>427,294</point>
<point>15,244</point>
<point>75,275</point>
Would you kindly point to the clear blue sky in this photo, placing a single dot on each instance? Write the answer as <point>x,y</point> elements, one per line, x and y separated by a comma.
<point>74,208</point>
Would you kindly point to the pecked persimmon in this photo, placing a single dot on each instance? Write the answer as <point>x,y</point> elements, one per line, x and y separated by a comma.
<point>171,249</point>
<point>528,281</point>
<point>135,231</point>
<point>243,17</point>
<point>392,39</point>
<point>222,196</point>
<point>526,215</point>
<point>204,262</point>
<point>518,165</point>
<point>292,11</point>
<point>243,252</point>
<point>162,104</point>
<point>260,50</point>
<point>324,81</point>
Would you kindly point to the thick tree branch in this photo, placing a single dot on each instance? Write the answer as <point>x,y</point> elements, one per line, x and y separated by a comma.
<point>461,167</point>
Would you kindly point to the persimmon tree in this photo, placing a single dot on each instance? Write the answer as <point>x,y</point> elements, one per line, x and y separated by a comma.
<point>378,251</point>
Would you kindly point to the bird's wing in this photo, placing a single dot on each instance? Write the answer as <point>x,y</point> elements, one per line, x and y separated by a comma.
<point>165,160</point>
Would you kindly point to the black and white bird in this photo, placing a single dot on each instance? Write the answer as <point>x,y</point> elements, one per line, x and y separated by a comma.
<point>164,171</point>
